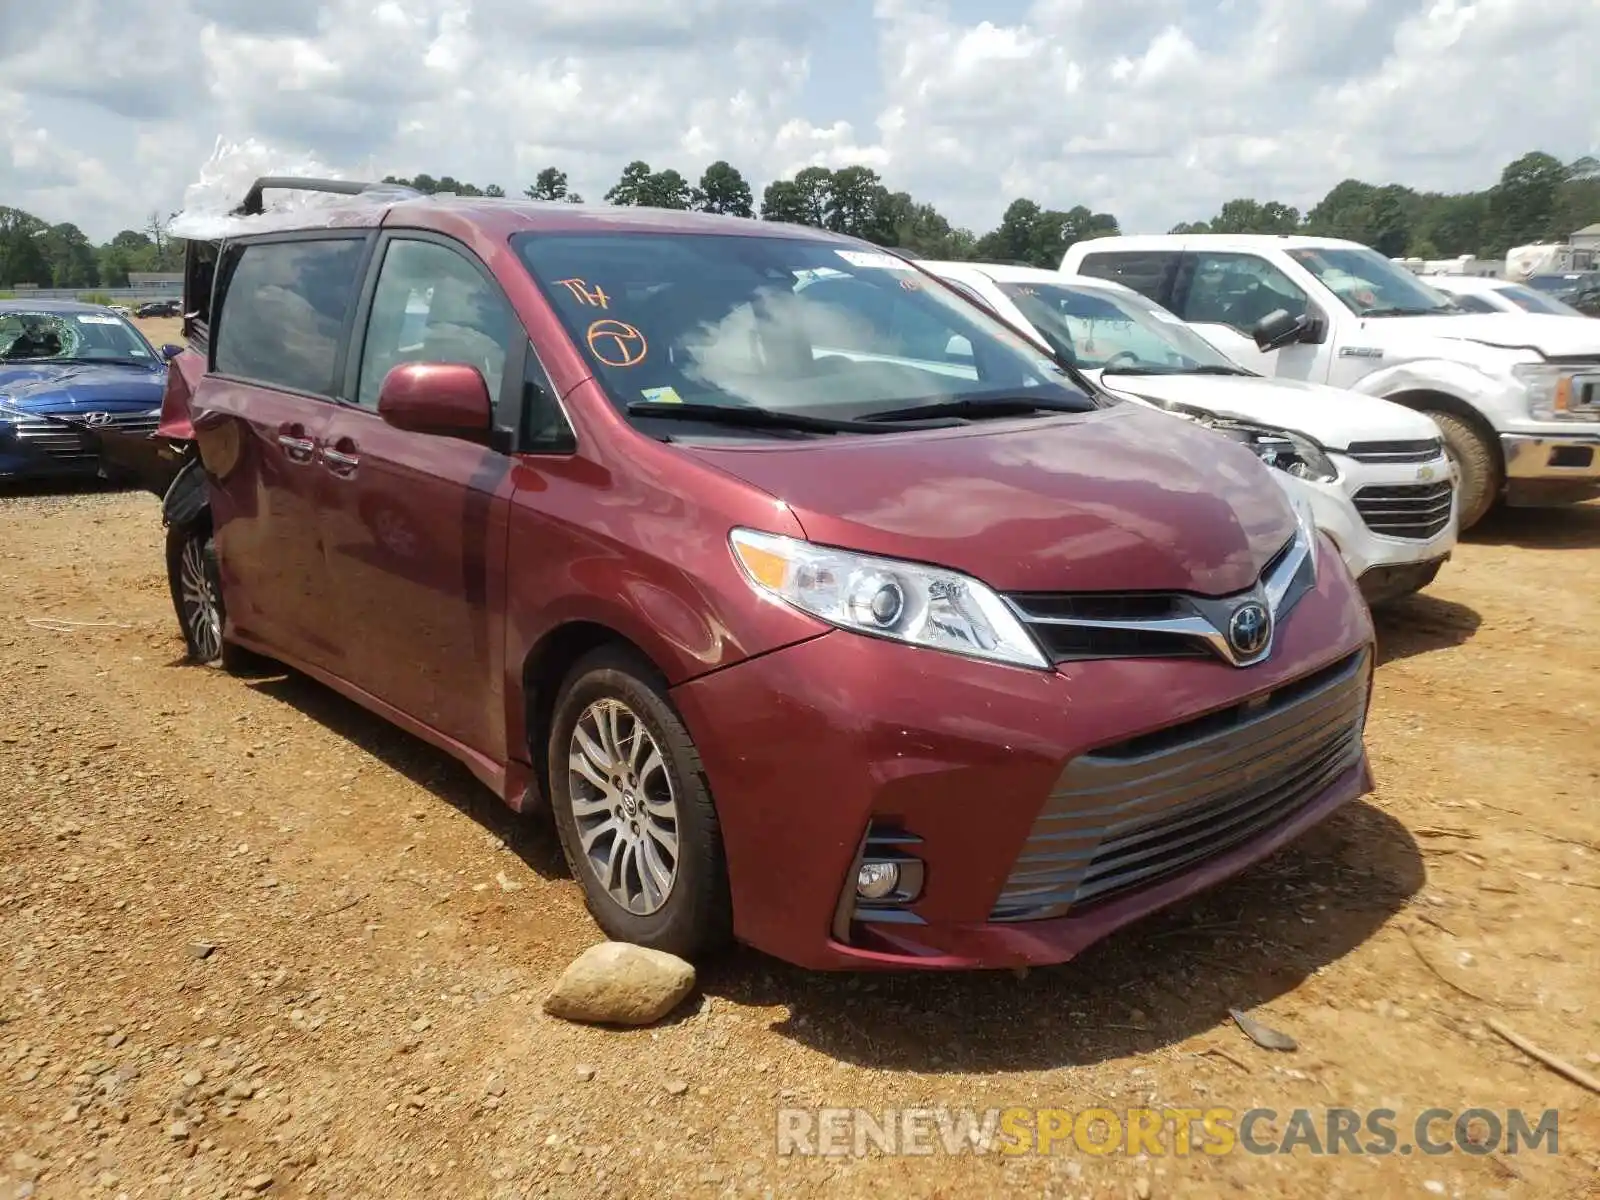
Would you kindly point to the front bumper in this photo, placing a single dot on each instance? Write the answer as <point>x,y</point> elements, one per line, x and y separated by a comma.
<point>968,765</point>
<point>1551,468</point>
<point>1387,515</point>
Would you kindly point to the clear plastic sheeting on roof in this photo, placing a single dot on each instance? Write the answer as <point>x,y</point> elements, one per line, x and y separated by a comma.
<point>209,203</point>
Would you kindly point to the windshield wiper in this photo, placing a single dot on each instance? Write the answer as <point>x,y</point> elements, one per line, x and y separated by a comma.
<point>1394,310</point>
<point>751,418</point>
<point>977,408</point>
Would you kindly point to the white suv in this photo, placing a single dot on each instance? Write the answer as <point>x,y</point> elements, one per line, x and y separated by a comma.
<point>1517,397</point>
<point>1476,293</point>
<point>1376,473</point>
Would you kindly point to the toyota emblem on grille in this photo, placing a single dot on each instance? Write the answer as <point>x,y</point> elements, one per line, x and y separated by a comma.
<point>97,418</point>
<point>1249,629</point>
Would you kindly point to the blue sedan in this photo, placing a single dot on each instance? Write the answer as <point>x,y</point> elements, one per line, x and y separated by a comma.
<point>80,362</point>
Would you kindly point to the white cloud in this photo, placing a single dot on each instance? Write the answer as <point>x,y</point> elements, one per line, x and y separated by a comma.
<point>1156,110</point>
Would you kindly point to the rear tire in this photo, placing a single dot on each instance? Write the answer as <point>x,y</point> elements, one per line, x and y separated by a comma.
<point>633,811</point>
<point>1477,461</point>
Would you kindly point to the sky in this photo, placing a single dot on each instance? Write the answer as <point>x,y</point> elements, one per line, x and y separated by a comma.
<point>1155,110</point>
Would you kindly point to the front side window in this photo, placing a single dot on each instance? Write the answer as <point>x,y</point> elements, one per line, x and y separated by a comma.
<point>432,305</point>
<point>787,325</point>
<point>1114,331</point>
<point>1368,284</point>
<point>284,306</point>
<point>1238,290</point>
<point>71,337</point>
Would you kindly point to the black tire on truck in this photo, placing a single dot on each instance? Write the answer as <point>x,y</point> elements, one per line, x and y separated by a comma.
<point>1477,461</point>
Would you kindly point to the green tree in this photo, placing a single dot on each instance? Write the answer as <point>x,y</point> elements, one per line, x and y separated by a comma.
<point>816,186</point>
<point>639,185</point>
<point>72,258</point>
<point>1523,206</point>
<point>551,184</point>
<point>723,190</point>
<point>782,200</point>
<point>1040,237</point>
<point>856,203</point>
<point>22,257</point>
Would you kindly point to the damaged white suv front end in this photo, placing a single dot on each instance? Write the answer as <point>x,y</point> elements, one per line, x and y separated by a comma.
<point>1376,474</point>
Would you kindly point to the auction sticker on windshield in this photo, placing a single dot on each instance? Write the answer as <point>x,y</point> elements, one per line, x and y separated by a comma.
<point>92,320</point>
<point>866,258</point>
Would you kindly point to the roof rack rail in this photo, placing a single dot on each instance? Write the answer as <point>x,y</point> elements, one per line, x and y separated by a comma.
<point>252,205</point>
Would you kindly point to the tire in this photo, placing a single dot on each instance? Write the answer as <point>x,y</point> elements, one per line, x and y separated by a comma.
<point>1477,460</point>
<point>195,582</point>
<point>629,813</point>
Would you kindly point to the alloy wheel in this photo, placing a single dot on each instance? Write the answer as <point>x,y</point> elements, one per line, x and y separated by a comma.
<point>624,806</point>
<point>202,613</point>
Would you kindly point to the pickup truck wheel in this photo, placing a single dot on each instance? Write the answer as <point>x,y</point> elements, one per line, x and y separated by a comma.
<point>1477,462</point>
<point>632,809</point>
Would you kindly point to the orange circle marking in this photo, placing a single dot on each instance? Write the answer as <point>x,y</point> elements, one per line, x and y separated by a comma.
<point>616,343</point>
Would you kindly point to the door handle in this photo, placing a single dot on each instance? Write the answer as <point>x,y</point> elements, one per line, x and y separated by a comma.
<point>297,449</point>
<point>338,458</point>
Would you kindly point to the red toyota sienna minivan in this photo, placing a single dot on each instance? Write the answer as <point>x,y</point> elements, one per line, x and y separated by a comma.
<point>820,609</point>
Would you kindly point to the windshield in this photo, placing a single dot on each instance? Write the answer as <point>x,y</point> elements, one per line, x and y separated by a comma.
<point>783,324</point>
<point>1531,300</point>
<point>1369,284</point>
<point>1104,329</point>
<point>71,337</point>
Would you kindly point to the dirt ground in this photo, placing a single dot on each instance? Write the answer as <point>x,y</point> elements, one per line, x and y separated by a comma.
<point>368,1022</point>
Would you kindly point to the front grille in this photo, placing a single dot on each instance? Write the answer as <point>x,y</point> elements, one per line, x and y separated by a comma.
<point>1069,642</point>
<point>1130,815</point>
<point>1421,451</point>
<point>1077,626</point>
<point>1415,511</point>
<point>61,441</point>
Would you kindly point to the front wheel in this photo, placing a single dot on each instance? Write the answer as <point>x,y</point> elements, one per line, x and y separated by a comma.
<point>1477,462</point>
<point>632,809</point>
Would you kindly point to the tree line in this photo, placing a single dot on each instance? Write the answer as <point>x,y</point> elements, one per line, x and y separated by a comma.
<point>1536,198</point>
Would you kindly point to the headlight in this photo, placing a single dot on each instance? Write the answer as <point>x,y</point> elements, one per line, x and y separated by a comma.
<point>1550,389</point>
<point>885,597</point>
<point>1285,451</point>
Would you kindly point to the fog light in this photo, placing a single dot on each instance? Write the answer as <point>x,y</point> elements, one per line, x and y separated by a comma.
<point>876,880</point>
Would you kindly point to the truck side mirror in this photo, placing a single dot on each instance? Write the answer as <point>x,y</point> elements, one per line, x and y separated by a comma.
<point>1278,329</point>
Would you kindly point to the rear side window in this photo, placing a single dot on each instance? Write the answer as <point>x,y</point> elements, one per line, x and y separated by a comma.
<point>283,310</point>
<point>1148,272</point>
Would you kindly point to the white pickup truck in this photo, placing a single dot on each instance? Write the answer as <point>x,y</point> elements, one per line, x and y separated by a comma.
<point>1517,396</point>
<point>1375,474</point>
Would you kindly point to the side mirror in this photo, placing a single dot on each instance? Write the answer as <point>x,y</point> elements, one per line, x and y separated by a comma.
<point>448,399</point>
<point>170,352</point>
<point>1278,329</point>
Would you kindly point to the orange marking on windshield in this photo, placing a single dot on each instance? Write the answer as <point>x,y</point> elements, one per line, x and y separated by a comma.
<point>594,297</point>
<point>616,343</point>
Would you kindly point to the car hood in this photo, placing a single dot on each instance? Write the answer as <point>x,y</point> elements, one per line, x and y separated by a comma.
<point>1329,416</point>
<point>81,387</point>
<point>1121,499</point>
<point>1551,335</point>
